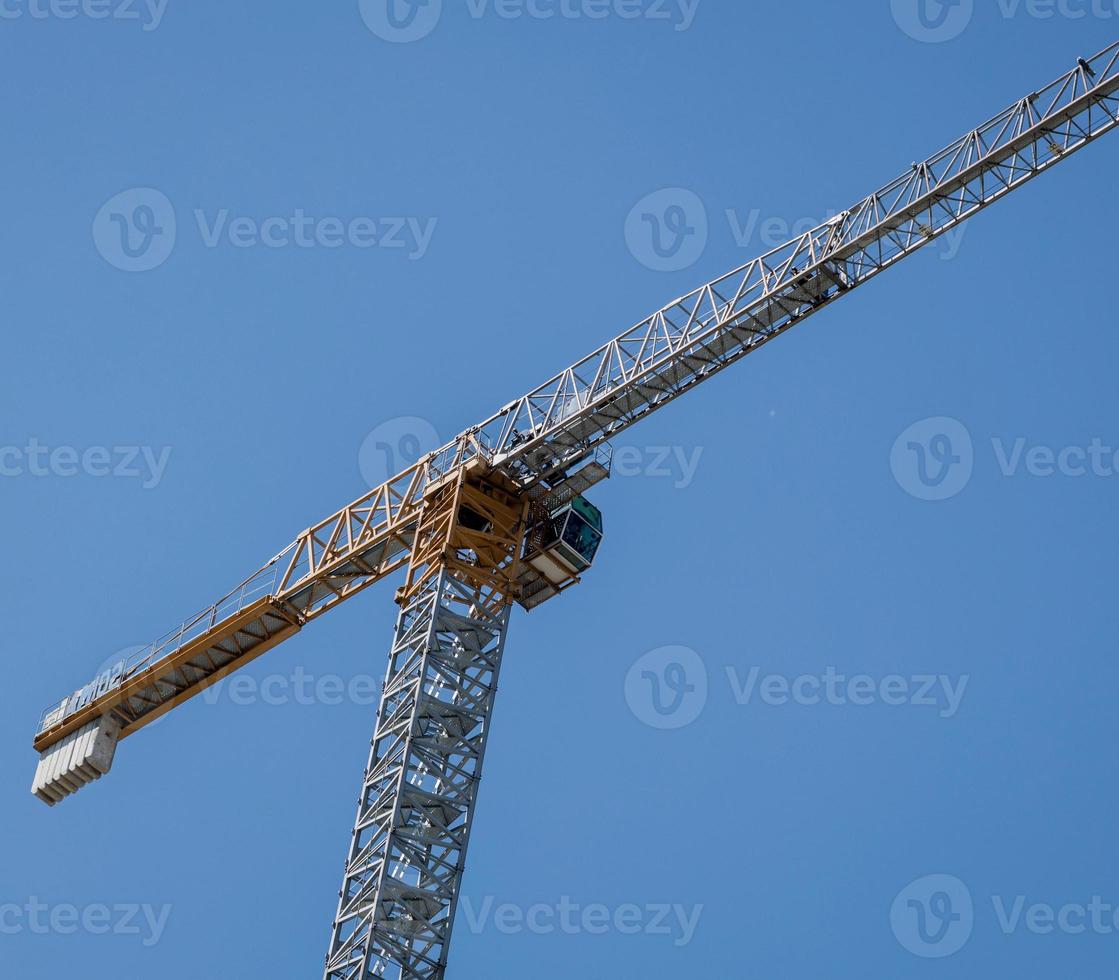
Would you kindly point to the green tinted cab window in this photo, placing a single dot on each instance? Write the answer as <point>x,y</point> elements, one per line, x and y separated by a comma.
<point>588,511</point>
<point>579,535</point>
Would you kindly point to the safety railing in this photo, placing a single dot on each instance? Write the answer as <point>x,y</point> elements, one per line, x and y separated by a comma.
<point>259,584</point>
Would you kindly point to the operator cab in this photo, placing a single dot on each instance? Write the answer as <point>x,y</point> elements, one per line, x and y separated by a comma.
<point>568,542</point>
<point>564,533</point>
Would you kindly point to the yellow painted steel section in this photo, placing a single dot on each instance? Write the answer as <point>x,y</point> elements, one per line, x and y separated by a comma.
<point>134,685</point>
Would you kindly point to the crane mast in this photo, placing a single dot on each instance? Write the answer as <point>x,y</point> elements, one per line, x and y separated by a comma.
<point>498,517</point>
<point>401,885</point>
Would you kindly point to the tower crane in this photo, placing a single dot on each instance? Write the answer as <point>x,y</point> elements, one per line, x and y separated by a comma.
<point>499,517</point>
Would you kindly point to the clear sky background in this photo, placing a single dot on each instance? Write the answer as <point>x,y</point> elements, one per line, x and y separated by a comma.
<point>793,540</point>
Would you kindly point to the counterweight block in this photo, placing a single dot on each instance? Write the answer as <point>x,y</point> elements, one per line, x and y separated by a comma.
<point>81,758</point>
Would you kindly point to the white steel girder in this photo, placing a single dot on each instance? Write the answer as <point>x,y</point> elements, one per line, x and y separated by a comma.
<point>544,434</point>
<point>401,887</point>
<point>402,879</point>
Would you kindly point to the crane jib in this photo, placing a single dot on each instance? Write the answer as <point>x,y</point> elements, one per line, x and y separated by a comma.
<point>537,440</point>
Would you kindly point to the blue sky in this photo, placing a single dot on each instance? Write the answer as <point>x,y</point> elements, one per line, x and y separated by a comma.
<point>347,240</point>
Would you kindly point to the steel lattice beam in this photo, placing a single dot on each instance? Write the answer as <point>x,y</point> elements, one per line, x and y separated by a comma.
<point>400,890</point>
<point>541,435</point>
<point>397,904</point>
<point>405,865</point>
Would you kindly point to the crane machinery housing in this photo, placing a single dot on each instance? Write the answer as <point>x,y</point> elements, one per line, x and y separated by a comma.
<point>499,517</point>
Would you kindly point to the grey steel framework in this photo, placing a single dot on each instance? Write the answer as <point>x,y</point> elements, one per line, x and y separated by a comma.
<point>413,823</point>
<point>546,432</point>
<point>403,877</point>
<point>398,898</point>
